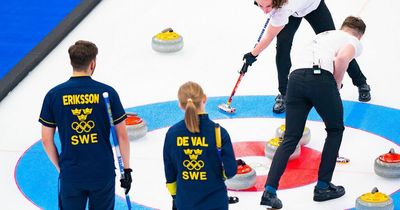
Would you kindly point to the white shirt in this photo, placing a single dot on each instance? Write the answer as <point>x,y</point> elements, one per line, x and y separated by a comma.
<point>322,50</point>
<point>296,8</point>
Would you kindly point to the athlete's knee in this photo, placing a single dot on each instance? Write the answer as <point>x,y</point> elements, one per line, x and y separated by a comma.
<point>335,130</point>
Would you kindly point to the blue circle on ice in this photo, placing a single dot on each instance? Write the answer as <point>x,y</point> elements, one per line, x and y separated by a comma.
<point>37,178</point>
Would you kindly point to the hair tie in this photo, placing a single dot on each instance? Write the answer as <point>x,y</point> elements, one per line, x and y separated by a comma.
<point>189,100</point>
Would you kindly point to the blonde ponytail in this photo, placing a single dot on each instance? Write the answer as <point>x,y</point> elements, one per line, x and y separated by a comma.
<point>190,96</point>
<point>191,118</point>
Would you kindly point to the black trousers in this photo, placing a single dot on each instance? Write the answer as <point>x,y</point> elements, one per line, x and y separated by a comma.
<point>307,90</point>
<point>75,195</point>
<point>320,20</point>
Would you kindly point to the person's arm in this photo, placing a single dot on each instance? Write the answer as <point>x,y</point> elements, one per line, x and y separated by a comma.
<point>123,142</point>
<point>341,62</point>
<point>228,155</point>
<point>49,146</point>
<point>271,33</point>
<point>170,170</point>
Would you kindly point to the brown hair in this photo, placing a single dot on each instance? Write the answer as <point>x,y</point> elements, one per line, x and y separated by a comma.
<point>275,3</point>
<point>81,54</point>
<point>354,23</point>
<point>190,96</point>
<point>278,3</point>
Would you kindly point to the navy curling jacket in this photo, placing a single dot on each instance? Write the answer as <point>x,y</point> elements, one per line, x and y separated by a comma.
<point>191,160</point>
<point>76,107</point>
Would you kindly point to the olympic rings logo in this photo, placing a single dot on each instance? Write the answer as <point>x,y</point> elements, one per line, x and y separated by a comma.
<point>83,126</point>
<point>193,164</point>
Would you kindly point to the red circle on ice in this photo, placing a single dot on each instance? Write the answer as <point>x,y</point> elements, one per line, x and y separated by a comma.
<point>299,172</point>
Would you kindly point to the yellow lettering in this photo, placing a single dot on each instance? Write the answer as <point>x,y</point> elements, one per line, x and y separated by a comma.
<point>84,139</point>
<point>199,141</point>
<point>93,137</point>
<point>67,100</point>
<point>182,141</point>
<point>193,139</point>
<point>194,175</point>
<point>87,99</point>
<point>74,140</point>
<point>70,100</point>
<point>185,175</point>
<point>95,98</point>
<point>203,142</point>
<point>75,99</point>
<point>203,175</point>
<point>81,99</point>
<point>64,99</point>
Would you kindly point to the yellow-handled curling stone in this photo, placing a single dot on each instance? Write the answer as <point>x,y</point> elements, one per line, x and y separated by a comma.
<point>167,41</point>
<point>374,200</point>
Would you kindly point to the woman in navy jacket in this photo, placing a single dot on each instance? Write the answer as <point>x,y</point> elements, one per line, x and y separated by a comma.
<point>194,171</point>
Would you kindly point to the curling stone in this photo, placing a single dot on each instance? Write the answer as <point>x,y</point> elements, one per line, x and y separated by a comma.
<point>273,144</point>
<point>135,126</point>
<point>245,177</point>
<point>374,200</point>
<point>388,165</point>
<point>167,41</point>
<point>305,139</point>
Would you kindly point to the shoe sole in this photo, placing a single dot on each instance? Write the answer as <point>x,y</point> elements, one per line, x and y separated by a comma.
<point>326,198</point>
<point>278,111</point>
<point>269,207</point>
<point>364,100</point>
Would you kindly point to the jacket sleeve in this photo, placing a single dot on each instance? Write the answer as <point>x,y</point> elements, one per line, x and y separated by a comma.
<point>169,167</point>
<point>117,109</point>
<point>228,155</point>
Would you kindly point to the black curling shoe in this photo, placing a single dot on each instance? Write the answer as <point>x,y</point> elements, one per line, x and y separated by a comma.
<point>331,192</point>
<point>233,199</point>
<point>270,200</point>
<point>279,106</point>
<point>364,94</point>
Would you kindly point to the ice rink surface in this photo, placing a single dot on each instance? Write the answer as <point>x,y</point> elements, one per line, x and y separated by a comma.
<point>216,35</point>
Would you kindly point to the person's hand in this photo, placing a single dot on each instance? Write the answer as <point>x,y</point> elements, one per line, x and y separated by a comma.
<point>249,58</point>
<point>127,180</point>
<point>244,68</point>
<point>173,203</point>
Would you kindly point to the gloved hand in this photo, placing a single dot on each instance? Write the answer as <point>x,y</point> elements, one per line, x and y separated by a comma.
<point>240,162</point>
<point>244,68</point>
<point>173,203</point>
<point>127,180</point>
<point>249,58</point>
